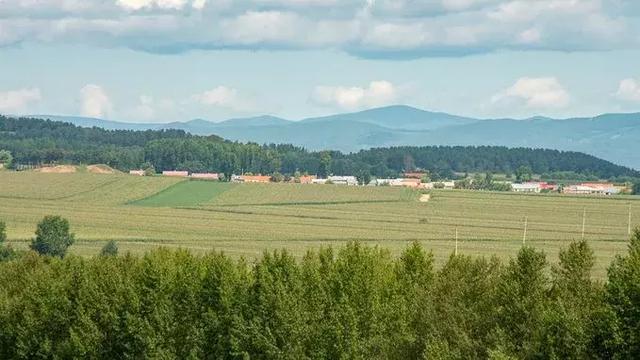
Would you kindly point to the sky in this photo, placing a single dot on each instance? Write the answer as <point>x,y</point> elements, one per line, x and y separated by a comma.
<point>176,60</point>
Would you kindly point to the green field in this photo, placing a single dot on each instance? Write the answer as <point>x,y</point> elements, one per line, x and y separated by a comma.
<point>245,219</point>
<point>185,193</point>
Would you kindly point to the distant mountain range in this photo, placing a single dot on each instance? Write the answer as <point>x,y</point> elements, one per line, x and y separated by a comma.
<point>614,137</point>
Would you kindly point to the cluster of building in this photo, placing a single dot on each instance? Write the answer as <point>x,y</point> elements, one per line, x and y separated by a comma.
<point>591,188</point>
<point>414,183</point>
<point>411,180</point>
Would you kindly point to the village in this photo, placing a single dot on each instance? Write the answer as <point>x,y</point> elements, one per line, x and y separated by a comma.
<point>415,180</point>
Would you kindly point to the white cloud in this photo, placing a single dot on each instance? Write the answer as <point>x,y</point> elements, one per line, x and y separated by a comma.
<point>95,102</point>
<point>387,28</point>
<point>162,4</point>
<point>219,96</point>
<point>378,93</point>
<point>539,93</point>
<point>152,109</point>
<point>225,97</point>
<point>17,101</point>
<point>629,90</point>
<point>199,4</point>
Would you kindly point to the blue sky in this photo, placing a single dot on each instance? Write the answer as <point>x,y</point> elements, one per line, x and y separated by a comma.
<point>175,60</point>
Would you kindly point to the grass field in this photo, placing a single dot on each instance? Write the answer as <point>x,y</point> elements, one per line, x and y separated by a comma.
<point>186,193</point>
<point>246,219</point>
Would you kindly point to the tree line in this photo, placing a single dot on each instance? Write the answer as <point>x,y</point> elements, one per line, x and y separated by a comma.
<point>35,141</point>
<point>353,302</point>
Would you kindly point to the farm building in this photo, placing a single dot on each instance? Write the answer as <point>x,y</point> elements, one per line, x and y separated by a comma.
<point>592,189</point>
<point>414,175</point>
<point>251,178</point>
<point>136,172</point>
<point>407,182</point>
<point>411,182</point>
<point>176,173</point>
<point>205,176</point>
<point>531,187</point>
<point>449,185</point>
<point>319,181</point>
<point>343,180</point>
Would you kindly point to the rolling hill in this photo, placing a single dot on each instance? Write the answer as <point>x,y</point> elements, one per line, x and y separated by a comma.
<point>610,136</point>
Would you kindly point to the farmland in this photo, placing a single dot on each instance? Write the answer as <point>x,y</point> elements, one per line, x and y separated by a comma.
<point>245,219</point>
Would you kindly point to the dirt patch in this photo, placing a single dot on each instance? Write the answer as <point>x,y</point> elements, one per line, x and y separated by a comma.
<point>425,197</point>
<point>60,169</point>
<point>101,169</point>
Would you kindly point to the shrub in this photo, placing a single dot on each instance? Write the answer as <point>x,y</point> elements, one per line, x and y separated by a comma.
<point>110,249</point>
<point>3,232</point>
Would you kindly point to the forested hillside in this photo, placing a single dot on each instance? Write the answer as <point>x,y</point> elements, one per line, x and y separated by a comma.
<point>34,141</point>
<point>355,303</point>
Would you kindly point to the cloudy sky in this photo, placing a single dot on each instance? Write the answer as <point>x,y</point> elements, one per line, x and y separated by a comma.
<point>168,60</point>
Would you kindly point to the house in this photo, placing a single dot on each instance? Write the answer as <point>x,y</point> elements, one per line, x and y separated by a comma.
<point>176,173</point>
<point>205,176</point>
<point>319,181</point>
<point>255,179</point>
<point>343,180</point>
<point>136,172</point>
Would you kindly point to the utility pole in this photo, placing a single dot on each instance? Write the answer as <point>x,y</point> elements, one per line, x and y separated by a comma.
<point>524,235</point>
<point>455,252</point>
<point>584,221</point>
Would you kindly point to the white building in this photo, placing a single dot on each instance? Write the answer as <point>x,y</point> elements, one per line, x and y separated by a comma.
<point>205,176</point>
<point>343,180</point>
<point>526,187</point>
<point>449,185</point>
<point>592,189</point>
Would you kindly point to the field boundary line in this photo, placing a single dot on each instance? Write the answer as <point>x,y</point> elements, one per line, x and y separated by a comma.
<point>312,203</point>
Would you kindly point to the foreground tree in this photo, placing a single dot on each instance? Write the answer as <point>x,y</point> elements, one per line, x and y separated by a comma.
<point>623,298</point>
<point>52,236</point>
<point>575,302</point>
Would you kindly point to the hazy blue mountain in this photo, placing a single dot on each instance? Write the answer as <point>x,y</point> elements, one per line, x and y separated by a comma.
<point>399,117</point>
<point>265,120</point>
<point>613,137</point>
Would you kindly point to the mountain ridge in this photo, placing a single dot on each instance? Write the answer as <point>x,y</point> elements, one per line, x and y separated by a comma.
<point>611,136</point>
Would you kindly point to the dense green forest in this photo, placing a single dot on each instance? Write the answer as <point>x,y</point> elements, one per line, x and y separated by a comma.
<point>354,303</point>
<point>35,141</point>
